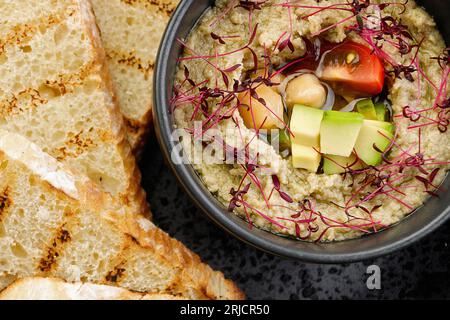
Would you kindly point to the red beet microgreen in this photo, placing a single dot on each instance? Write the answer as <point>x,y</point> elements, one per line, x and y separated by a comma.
<point>250,5</point>
<point>277,187</point>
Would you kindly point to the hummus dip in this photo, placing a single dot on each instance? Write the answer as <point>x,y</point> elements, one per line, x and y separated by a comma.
<point>237,41</point>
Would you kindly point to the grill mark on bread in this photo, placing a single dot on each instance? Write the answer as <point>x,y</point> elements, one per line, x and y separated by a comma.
<point>161,6</point>
<point>66,83</point>
<point>49,261</point>
<point>130,59</point>
<point>32,98</point>
<point>75,146</point>
<point>174,286</point>
<point>24,100</point>
<point>5,201</point>
<point>64,236</point>
<point>115,275</point>
<point>22,33</point>
<point>118,272</point>
<point>61,237</point>
<point>46,263</point>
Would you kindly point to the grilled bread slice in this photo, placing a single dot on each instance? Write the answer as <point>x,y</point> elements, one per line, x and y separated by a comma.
<point>56,91</point>
<point>57,289</point>
<point>131,32</point>
<point>55,223</point>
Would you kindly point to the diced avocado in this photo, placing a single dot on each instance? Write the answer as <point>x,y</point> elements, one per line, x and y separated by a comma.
<point>305,158</point>
<point>339,132</point>
<point>337,164</point>
<point>369,137</point>
<point>305,125</point>
<point>283,137</point>
<point>388,126</point>
<point>382,112</point>
<point>367,109</point>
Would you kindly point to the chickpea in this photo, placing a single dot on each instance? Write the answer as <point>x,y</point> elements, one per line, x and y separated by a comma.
<point>306,90</point>
<point>258,116</point>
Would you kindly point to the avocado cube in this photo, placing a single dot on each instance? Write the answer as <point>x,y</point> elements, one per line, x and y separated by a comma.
<point>305,158</point>
<point>305,125</point>
<point>339,132</point>
<point>381,111</point>
<point>367,109</point>
<point>283,138</point>
<point>388,126</point>
<point>369,137</point>
<point>337,164</point>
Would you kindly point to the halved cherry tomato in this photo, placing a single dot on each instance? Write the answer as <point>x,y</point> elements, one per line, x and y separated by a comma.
<point>353,70</point>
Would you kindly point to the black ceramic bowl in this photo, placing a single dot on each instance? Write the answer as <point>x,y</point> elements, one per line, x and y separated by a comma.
<point>433,214</point>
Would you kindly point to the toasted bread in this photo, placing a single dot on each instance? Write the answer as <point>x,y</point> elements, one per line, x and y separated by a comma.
<point>54,222</point>
<point>56,91</point>
<point>57,289</point>
<point>131,32</point>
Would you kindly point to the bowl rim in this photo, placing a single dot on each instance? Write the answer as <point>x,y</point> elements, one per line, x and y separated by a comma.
<point>232,224</point>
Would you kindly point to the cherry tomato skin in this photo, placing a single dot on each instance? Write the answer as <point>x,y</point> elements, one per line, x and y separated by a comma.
<point>352,69</point>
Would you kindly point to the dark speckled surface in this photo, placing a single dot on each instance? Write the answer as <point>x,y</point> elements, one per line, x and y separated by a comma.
<point>420,271</point>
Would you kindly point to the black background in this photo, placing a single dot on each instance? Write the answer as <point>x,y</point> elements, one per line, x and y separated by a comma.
<point>422,271</point>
